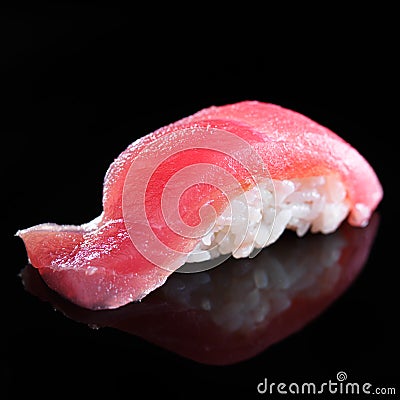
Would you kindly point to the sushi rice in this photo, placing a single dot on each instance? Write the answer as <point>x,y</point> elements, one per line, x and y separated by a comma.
<point>258,217</point>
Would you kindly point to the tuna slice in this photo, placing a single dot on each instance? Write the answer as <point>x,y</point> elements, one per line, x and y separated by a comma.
<point>226,180</point>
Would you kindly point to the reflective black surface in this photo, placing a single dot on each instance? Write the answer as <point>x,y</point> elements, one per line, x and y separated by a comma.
<point>79,83</point>
<point>236,311</point>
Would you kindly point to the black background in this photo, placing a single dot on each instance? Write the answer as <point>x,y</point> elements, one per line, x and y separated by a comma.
<point>81,82</point>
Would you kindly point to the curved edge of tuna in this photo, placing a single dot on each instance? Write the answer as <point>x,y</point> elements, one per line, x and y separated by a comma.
<point>74,262</point>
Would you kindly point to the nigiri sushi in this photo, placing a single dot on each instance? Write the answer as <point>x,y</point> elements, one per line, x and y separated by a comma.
<point>227,180</point>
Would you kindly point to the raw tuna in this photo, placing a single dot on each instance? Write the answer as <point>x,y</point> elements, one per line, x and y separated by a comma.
<point>227,180</point>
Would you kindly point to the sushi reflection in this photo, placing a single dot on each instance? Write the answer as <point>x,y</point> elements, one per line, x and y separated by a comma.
<point>237,310</point>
